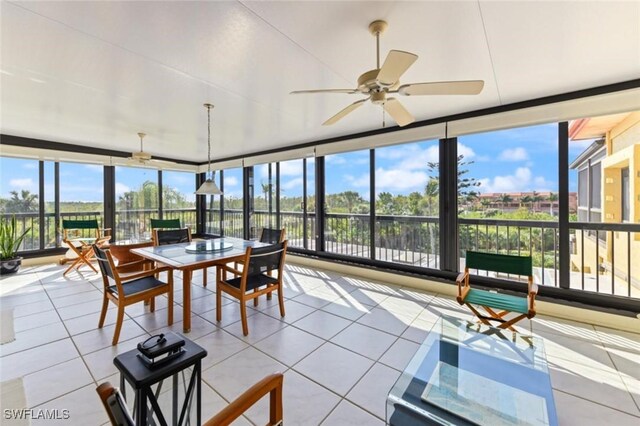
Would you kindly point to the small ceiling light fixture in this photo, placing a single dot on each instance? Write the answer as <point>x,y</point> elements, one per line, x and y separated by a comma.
<point>209,186</point>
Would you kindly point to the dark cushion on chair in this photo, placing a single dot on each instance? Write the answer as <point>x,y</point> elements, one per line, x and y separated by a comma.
<point>137,286</point>
<point>254,281</point>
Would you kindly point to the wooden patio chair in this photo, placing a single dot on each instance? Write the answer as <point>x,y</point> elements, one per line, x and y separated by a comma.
<point>269,236</point>
<point>255,279</point>
<point>271,384</point>
<point>80,236</point>
<point>130,289</point>
<point>498,305</point>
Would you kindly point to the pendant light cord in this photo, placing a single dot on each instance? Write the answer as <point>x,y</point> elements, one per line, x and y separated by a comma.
<point>209,139</point>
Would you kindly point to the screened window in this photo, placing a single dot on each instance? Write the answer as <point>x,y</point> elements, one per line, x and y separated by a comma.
<point>596,185</point>
<point>626,195</point>
<point>233,225</point>
<point>347,208</point>
<point>407,203</point>
<point>19,196</point>
<point>178,197</point>
<point>583,188</point>
<point>136,202</point>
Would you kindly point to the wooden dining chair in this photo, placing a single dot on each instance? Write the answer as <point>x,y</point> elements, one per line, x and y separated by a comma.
<point>271,384</point>
<point>163,237</point>
<point>164,224</point>
<point>130,289</point>
<point>79,236</point>
<point>269,236</point>
<point>255,279</point>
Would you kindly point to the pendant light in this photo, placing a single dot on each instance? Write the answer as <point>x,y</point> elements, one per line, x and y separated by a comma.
<point>209,186</point>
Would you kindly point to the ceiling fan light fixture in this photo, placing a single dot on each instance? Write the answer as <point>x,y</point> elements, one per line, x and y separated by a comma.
<point>209,186</point>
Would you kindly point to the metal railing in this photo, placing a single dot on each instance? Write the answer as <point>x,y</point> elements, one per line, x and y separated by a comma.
<point>602,254</point>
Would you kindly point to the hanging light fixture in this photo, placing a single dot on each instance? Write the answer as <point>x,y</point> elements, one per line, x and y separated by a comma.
<point>209,186</point>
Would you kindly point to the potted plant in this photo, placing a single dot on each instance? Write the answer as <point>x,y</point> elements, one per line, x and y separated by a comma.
<point>9,244</point>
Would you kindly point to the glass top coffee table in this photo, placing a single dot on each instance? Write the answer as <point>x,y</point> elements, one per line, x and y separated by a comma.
<point>470,374</point>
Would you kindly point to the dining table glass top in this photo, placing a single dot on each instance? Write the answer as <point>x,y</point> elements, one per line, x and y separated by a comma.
<point>472,374</point>
<point>177,255</point>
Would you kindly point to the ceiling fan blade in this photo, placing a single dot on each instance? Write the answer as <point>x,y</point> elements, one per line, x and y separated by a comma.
<point>396,63</point>
<point>349,91</point>
<point>344,112</point>
<point>398,112</point>
<point>469,87</point>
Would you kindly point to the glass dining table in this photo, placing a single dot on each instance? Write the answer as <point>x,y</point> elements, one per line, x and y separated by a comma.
<point>190,257</point>
<point>470,374</point>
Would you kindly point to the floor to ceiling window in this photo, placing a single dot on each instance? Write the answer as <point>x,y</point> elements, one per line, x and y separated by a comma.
<point>178,197</point>
<point>347,221</point>
<point>508,196</point>
<point>213,218</point>
<point>604,155</point>
<point>52,233</point>
<point>20,197</point>
<point>406,204</point>
<point>264,198</point>
<point>292,214</point>
<point>136,202</point>
<point>233,225</point>
<point>81,192</point>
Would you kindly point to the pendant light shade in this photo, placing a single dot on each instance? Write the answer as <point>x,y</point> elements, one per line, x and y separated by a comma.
<point>209,186</point>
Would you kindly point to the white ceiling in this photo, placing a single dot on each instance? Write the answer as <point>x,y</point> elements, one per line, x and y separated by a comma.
<point>96,73</point>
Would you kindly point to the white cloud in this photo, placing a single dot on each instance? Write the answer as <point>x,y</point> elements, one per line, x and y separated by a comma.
<point>230,181</point>
<point>291,184</point>
<point>400,180</point>
<point>468,153</point>
<point>522,180</point>
<point>359,182</point>
<point>417,159</point>
<point>94,167</point>
<point>30,166</point>
<point>514,154</point>
<point>121,188</point>
<point>26,183</point>
<point>335,159</point>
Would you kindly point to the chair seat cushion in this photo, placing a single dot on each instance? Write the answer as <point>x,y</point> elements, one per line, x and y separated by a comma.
<point>500,301</point>
<point>137,286</point>
<point>254,281</point>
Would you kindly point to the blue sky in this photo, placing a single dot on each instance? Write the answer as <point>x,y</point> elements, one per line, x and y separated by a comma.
<point>522,159</point>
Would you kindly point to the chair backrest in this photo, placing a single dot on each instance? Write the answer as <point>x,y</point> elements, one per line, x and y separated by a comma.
<point>272,236</point>
<point>265,259</point>
<point>115,405</point>
<point>105,263</point>
<point>163,237</point>
<point>165,223</point>
<point>508,264</point>
<point>80,224</point>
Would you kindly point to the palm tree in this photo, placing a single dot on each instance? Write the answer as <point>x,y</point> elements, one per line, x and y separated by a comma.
<point>22,203</point>
<point>536,198</point>
<point>504,199</point>
<point>526,200</point>
<point>552,198</point>
<point>431,192</point>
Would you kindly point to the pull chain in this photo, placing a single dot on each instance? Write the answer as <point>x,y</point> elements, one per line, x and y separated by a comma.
<point>384,124</point>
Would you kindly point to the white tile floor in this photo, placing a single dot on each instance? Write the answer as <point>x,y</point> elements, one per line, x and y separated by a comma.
<point>341,346</point>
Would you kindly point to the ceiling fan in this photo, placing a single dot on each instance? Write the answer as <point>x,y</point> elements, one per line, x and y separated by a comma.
<point>142,157</point>
<point>376,84</point>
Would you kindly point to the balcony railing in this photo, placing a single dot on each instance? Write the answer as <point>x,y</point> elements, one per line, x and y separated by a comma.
<point>602,254</point>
